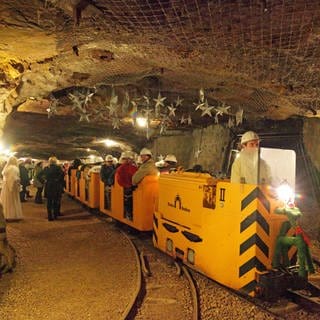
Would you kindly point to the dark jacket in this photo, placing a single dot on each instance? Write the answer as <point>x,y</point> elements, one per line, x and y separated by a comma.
<point>107,174</point>
<point>54,178</point>
<point>24,177</point>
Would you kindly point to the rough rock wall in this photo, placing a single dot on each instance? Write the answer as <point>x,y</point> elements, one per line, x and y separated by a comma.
<point>210,145</point>
<point>311,134</point>
<point>180,145</point>
<point>205,146</point>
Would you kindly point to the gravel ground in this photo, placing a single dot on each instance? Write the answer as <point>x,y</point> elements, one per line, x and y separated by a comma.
<point>167,295</point>
<point>80,267</point>
<point>75,268</point>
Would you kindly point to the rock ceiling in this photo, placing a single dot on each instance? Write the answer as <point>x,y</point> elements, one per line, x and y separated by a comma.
<point>73,72</point>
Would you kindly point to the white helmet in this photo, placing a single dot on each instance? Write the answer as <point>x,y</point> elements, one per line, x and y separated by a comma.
<point>249,136</point>
<point>171,158</point>
<point>160,164</point>
<point>109,157</point>
<point>98,159</point>
<point>145,152</point>
<point>127,155</point>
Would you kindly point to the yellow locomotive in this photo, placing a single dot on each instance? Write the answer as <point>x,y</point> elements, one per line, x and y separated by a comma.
<point>227,231</point>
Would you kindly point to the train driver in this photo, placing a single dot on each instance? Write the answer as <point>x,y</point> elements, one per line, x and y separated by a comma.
<point>246,166</point>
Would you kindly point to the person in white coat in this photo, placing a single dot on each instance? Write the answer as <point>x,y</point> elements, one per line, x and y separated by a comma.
<point>10,193</point>
<point>247,167</point>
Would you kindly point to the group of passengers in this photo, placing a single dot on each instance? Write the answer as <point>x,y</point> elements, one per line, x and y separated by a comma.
<point>17,176</point>
<point>128,171</point>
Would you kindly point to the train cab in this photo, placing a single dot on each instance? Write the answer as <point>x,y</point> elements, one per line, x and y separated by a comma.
<point>224,230</point>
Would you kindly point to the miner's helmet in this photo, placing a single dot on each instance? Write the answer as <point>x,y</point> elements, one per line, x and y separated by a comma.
<point>127,155</point>
<point>249,136</point>
<point>171,158</point>
<point>145,152</point>
<point>109,157</point>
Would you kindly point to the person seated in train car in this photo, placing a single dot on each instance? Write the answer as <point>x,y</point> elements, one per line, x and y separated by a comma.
<point>147,168</point>
<point>75,165</point>
<point>246,166</point>
<point>116,162</point>
<point>170,164</point>
<point>107,172</point>
<point>196,168</point>
<point>124,175</point>
<point>159,164</point>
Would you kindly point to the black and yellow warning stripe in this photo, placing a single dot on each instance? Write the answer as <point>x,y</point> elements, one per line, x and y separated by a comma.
<point>254,235</point>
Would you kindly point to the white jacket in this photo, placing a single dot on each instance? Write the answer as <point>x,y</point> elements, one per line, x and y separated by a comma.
<point>245,169</point>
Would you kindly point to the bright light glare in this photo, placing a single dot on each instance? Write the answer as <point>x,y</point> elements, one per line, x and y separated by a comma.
<point>141,122</point>
<point>285,193</point>
<point>110,143</point>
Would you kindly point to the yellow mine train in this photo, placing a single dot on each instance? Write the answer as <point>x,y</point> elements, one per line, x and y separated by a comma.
<point>226,231</point>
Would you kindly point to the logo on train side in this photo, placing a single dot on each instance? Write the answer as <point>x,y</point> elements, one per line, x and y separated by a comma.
<point>177,203</point>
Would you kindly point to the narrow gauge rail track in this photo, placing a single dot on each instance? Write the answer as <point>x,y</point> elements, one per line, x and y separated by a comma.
<point>209,300</point>
<point>160,293</point>
<point>295,305</point>
<point>166,295</point>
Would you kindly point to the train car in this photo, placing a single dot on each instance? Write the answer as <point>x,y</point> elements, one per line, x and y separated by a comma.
<point>67,181</point>
<point>70,183</point>
<point>90,189</point>
<point>145,198</point>
<point>224,230</point>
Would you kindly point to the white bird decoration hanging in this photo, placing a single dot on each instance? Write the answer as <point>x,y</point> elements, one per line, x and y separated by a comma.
<point>125,102</point>
<point>231,122</point>
<point>201,95</point>
<point>239,116</point>
<point>147,112</point>
<point>147,100</point>
<point>134,106</point>
<point>189,120</point>
<point>116,123</point>
<point>88,96</point>
<point>197,153</point>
